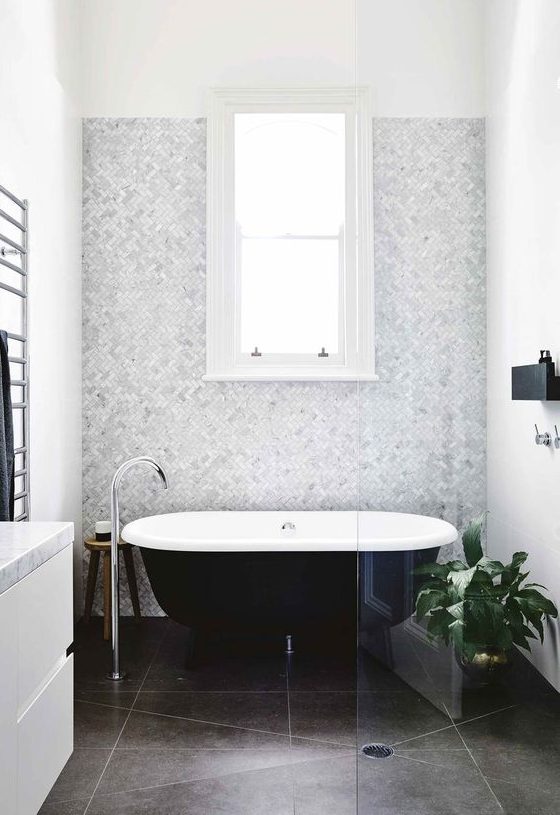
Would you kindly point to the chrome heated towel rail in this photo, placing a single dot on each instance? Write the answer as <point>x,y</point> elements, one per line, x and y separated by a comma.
<point>14,276</point>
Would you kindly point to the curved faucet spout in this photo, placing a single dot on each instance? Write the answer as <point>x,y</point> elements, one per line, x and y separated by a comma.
<point>116,673</point>
<point>132,462</point>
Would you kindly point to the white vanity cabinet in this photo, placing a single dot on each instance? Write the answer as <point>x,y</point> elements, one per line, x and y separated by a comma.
<point>36,674</point>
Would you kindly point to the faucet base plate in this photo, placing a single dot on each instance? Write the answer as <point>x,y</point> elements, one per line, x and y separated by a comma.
<point>115,677</point>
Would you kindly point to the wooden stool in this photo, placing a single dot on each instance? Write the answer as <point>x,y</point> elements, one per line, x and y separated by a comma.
<point>96,548</point>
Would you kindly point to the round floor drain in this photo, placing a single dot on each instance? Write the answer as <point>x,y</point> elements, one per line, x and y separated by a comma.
<point>377,751</point>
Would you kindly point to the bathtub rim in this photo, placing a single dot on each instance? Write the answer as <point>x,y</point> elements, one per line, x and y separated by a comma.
<point>431,532</point>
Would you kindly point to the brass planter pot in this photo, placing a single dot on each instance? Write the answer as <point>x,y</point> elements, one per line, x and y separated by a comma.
<point>487,666</point>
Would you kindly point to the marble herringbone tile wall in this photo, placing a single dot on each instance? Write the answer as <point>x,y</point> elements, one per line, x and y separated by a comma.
<point>414,441</point>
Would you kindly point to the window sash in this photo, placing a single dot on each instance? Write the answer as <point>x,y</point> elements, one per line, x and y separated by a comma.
<point>278,358</point>
<point>354,358</point>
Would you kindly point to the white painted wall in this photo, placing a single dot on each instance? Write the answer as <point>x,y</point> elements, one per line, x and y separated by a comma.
<point>523,184</point>
<point>158,57</point>
<point>422,57</point>
<point>40,159</point>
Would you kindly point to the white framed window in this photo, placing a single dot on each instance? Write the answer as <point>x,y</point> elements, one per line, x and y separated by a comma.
<point>290,225</point>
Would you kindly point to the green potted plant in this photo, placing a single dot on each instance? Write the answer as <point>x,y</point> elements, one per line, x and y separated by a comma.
<point>482,607</point>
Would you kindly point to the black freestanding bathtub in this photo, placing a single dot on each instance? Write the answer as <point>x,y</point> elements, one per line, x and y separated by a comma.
<point>275,573</point>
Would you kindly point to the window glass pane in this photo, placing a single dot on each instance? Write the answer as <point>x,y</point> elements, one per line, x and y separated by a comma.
<point>289,295</point>
<point>289,173</point>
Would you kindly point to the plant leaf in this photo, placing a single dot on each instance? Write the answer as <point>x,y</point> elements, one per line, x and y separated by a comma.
<point>429,599</point>
<point>538,601</point>
<point>520,639</point>
<point>491,567</point>
<point>504,638</point>
<point>461,580</point>
<point>469,649</point>
<point>511,572</point>
<point>472,546</point>
<point>532,615</point>
<point>528,633</point>
<point>436,583</point>
<point>518,559</point>
<point>456,630</point>
<point>457,566</point>
<point>433,569</point>
<point>456,611</point>
<point>438,624</point>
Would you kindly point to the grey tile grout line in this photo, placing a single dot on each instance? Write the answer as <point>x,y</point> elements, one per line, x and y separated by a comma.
<point>516,784</point>
<point>197,721</point>
<point>431,750</point>
<point>156,652</point>
<point>216,724</point>
<point>287,663</point>
<point>63,801</point>
<point>205,778</point>
<point>251,692</point>
<point>278,691</point>
<point>101,704</point>
<point>342,747</point>
<point>494,796</point>
<point>449,726</point>
<point>285,735</point>
<point>429,763</point>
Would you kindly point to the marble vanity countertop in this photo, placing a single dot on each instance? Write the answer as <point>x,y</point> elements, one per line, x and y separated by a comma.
<point>24,546</point>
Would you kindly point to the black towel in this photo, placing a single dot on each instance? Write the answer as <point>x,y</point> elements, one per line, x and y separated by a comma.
<point>6,435</point>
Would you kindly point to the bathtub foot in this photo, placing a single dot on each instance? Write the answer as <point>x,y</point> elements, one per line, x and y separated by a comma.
<point>289,644</point>
<point>190,649</point>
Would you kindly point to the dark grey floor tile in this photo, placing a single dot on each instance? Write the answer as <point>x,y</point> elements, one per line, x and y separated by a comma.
<point>464,700</point>
<point>326,786</point>
<point>64,807</point>
<point>359,718</point>
<point>322,673</point>
<point>454,757</point>
<point>522,727</point>
<point>374,676</point>
<point>148,730</point>
<point>522,799</point>
<point>80,775</point>
<point>133,769</point>
<point>406,656</point>
<point>536,762</point>
<point>396,718</point>
<point>312,750</point>
<point>402,786</point>
<point>97,725</point>
<point>325,716</point>
<point>261,792</point>
<point>110,697</point>
<point>216,673</point>
<point>92,654</point>
<point>257,711</point>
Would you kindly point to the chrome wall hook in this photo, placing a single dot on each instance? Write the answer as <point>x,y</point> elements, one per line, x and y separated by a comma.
<point>556,438</point>
<point>5,251</point>
<point>543,438</point>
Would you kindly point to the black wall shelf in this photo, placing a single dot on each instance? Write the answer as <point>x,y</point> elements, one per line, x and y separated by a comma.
<point>537,382</point>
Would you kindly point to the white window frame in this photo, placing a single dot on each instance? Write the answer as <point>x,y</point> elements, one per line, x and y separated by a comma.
<point>356,357</point>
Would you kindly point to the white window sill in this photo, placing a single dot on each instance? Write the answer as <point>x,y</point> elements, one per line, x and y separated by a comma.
<point>261,376</point>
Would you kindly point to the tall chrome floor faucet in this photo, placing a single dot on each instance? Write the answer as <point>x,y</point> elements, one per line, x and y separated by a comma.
<point>116,674</point>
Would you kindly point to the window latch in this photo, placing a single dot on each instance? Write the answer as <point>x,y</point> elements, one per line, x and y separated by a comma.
<point>257,353</point>
<point>322,353</point>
